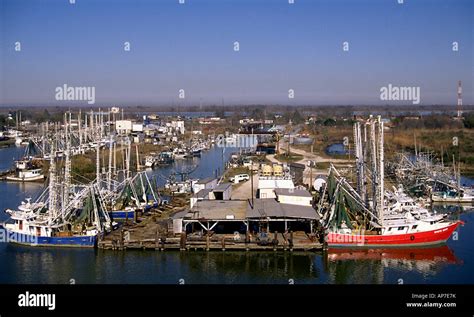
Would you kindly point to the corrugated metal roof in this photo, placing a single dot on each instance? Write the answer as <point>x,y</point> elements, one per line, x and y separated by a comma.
<point>218,209</point>
<point>272,208</point>
<point>203,193</point>
<point>205,180</point>
<point>222,187</point>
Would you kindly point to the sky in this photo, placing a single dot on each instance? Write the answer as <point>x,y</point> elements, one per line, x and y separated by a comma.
<point>190,46</point>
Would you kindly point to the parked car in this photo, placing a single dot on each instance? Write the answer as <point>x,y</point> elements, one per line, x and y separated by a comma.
<point>239,178</point>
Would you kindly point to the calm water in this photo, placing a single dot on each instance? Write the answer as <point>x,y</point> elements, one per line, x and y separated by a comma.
<point>453,263</point>
<point>336,149</point>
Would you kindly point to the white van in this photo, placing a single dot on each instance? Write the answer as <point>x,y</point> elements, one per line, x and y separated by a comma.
<point>239,178</point>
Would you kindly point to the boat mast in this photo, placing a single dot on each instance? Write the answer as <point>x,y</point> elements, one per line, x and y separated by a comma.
<point>127,159</point>
<point>79,124</point>
<point>109,174</point>
<point>373,152</point>
<point>359,161</point>
<point>67,169</point>
<point>381,171</point>
<point>53,202</point>
<point>97,164</point>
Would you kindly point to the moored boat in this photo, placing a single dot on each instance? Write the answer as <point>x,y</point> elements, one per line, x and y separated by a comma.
<point>379,218</point>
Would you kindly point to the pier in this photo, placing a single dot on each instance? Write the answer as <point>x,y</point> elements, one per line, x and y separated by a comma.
<point>214,242</point>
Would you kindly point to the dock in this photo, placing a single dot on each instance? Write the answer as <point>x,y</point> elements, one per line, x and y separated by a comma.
<point>216,242</point>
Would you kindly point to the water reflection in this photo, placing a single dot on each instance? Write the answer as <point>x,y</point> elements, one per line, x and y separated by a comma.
<point>369,265</point>
<point>250,267</point>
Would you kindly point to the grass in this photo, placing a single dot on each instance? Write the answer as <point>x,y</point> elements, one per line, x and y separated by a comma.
<point>291,158</point>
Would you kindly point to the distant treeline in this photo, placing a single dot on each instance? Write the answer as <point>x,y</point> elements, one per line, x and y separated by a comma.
<point>439,115</point>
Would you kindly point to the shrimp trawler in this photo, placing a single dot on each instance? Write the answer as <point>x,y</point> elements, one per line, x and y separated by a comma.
<point>26,169</point>
<point>62,216</point>
<point>137,193</point>
<point>351,219</point>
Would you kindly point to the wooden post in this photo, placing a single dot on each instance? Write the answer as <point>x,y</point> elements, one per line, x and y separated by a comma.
<point>291,240</point>
<point>156,240</point>
<point>182,242</point>
<point>223,243</point>
<point>247,239</point>
<point>121,239</point>
<point>275,240</point>
<point>207,241</point>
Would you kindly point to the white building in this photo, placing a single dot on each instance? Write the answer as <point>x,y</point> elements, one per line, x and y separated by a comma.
<point>205,183</point>
<point>220,192</point>
<point>123,126</point>
<point>299,197</point>
<point>137,127</point>
<point>267,185</point>
<point>178,126</point>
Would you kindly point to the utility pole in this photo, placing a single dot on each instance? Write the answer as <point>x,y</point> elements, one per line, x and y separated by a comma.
<point>459,100</point>
<point>251,182</point>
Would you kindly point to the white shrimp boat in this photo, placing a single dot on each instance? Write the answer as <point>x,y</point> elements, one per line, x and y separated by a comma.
<point>24,172</point>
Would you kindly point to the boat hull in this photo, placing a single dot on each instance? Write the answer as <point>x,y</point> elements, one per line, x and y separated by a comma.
<point>457,200</point>
<point>25,179</point>
<point>122,215</point>
<point>424,238</point>
<point>41,241</point>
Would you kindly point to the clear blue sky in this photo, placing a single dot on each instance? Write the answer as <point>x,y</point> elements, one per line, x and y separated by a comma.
<point>190,46</point>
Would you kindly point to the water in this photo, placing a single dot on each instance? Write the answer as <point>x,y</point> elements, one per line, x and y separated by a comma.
<point>210,164</point>
<point>10,154</point>
<point>453,263</point>
<point>336,149</point>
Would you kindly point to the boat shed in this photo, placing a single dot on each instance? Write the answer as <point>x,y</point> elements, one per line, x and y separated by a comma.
<point>223,216</point>
<point>205,183</point>
<point>223,191</point>
<point>203,194</point>
<point>282,217</point>
<point>294,196</point>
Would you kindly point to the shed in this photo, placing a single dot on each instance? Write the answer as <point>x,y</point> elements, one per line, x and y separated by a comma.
<point>205,183</point>
<point>223,191</point>
<point>294,196</point>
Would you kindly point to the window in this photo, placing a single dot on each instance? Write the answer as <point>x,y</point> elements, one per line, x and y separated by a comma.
<point>401,228</point>
<point>414,226</point>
